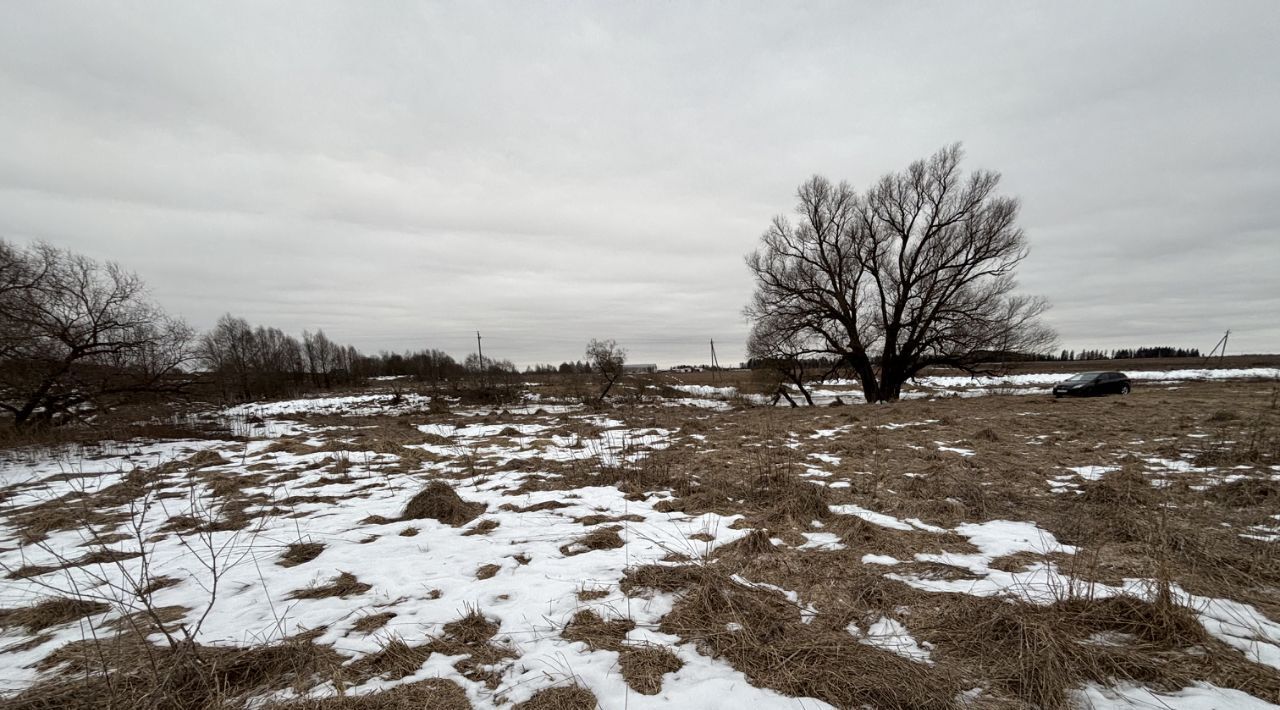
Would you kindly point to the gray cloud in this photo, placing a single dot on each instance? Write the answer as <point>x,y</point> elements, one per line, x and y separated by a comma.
<point>404,174</point>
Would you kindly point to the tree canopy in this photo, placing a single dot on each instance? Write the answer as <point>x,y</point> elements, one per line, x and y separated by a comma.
<point>915,271</point>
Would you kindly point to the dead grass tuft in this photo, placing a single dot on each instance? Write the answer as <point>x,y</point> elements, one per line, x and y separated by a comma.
<point>344,585</point>
<point>569,697</point>
<point>438,501</point>
<point>430,694</point>
<point>101,556</point>
<point>763,635</point>
<point>128,672</point>
<point>49,612</point>
<point>1247,493</point>
<point>373,622</point>
<point>986,434</point>
<point>394,660</point>
<point>601,539</point>
<point>1036,655</point>
<point>484,527</point>
<point>587,595</point>
<point>204,459</point>
<point>471,629</point>
<point>588,627</point>
<point>535,508</point>
<point>487,571</point>
<point>644,666</point>
<point>753,544</point>
<point>300,553</point>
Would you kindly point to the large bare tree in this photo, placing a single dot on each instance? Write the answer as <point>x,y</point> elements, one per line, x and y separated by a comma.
<point>74,332</point>
<point>916,271</point>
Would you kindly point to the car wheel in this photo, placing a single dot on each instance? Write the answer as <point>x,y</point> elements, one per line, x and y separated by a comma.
<point>1124,389</point>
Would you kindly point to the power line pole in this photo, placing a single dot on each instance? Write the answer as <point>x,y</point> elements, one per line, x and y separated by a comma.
<point>479,352</point>
<point>1221,344</point>
<point>715,364</point>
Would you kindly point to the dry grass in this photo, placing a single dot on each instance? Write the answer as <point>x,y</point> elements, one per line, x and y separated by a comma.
<point>588,627</point>
<point>568,697</point>
<point>430,694</point>
<point>101,556</point>
<point>343,585</point>
<point>587,595</point>
<point>1035,654</point>
<point>438,501</point>
<point>373,622</point>
<point>128,672</point>
<point>601,539</point>
<point>644,666</point>
<point>487,571</point>
<point>49,612</point>
<point>1185,527</point>
<point>484,527</point>
<point>300,553</point>
<point>763,635</point>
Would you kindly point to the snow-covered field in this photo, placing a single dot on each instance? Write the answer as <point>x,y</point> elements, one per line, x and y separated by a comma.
<point>537,486</point>
<point>934,386</point>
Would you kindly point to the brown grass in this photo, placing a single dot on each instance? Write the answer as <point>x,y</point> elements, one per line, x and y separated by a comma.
<point>343,585</point>
<point>128,672</point>
<point>373,622</point>
<point>753,544</point>
<point>300,553</point>
<point>644,666</point>
<point>49,612</point>
<point>588,627</point>
<point>101,556</point>
<point>438,501</point>
<point>484,527</point>
<point>601,539</point>
<point>568,697</point>
<point>587,595</point>
<point>430,694</point>
<point>1036,654</point>
<point>487,571</point>
<point>763,635</point>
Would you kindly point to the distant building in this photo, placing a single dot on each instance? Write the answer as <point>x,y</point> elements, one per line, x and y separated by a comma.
<point>639,367</point>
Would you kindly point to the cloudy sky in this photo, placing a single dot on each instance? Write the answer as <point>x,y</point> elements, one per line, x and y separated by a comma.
<point>403,174</point>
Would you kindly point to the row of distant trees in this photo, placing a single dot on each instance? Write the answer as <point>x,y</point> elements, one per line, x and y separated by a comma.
<point>78,336</point>
<point>1126,353</point>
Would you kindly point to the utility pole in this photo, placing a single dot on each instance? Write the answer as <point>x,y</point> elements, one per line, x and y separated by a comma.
<point>479,352</point>
<point>715,364</point>
<point>1221,344</point>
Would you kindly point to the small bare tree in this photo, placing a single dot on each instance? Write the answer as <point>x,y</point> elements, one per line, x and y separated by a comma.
<point>915,272</point>
<point>607,360</point>
<point>780,351</point>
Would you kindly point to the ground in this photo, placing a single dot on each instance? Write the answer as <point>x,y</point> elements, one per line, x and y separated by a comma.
<point>695,549</point>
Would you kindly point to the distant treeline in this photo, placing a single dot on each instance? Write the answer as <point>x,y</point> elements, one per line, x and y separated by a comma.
<point>1126,353</point>
<point>243,362</point>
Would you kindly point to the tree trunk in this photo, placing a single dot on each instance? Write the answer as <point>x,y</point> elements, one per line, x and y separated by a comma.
<point>861,365</point>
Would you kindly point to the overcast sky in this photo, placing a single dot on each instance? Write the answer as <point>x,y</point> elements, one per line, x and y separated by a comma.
<point>403,174</point>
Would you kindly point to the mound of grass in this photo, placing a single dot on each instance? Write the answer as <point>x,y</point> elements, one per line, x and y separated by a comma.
<point>601,539</point>
<point>569,697</point>
<point>438,501</point>
<point>588,627</point>
<point>644,666</point>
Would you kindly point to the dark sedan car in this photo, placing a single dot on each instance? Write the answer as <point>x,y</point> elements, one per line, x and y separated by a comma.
<point>1093,384</point>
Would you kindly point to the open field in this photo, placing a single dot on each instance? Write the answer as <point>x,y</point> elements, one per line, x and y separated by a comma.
<point>687,550</point>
